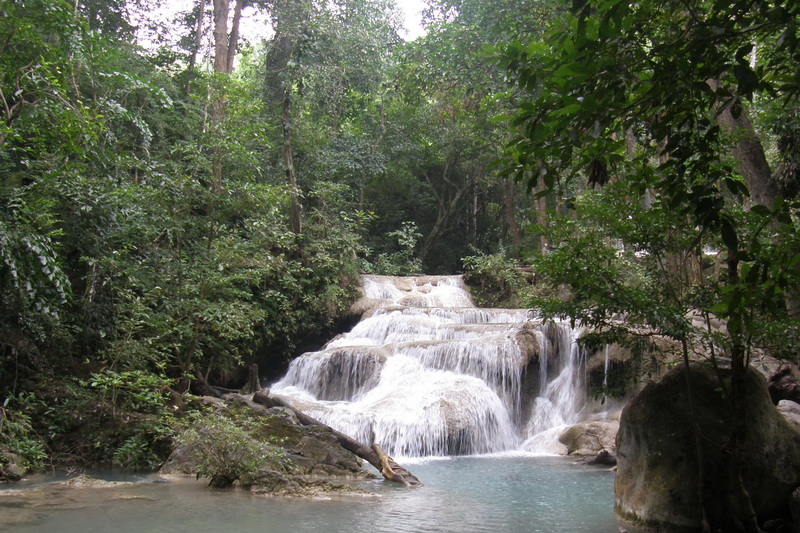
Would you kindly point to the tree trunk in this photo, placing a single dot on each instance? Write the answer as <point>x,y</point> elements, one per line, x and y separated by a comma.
<point>280,82</point>
<point>288,161</point>
<point>509,190</point>
<point>370,453</point>
<point>753,165</point>
<point>253,383</point>
<point>198,35</point>
<point>749,154</point>
<point>744,516</point>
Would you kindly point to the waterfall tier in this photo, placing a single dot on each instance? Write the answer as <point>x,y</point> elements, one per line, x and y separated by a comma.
<point>426,373</point>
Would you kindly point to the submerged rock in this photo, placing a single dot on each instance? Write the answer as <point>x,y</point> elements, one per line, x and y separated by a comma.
<point>657,476</point>
<point>272,483</point>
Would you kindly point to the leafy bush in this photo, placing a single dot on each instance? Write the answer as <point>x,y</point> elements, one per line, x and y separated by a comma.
<point>17,434</point>
<point>402,262</point>
<point>226,447</point>
<point>495,281</point>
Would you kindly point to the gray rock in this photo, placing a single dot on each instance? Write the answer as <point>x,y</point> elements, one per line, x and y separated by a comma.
<point>11,466</point>
<point>784,384</point>
<point>791,412</point>
<point>656,483</point>
<point>312,452</point>
<point>590,438</point>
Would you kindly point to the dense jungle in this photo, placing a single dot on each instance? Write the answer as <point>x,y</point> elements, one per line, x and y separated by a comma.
<point>193,190</point>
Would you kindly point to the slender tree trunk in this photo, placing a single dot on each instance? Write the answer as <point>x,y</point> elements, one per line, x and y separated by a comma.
<point>221,10</point>
<point>280,82</point>
<point>743,516</point>
<point>540,203</point>
<point>510,204</point>
<point>288,161</point>
<point>198,35</point>
<point>224,51</point>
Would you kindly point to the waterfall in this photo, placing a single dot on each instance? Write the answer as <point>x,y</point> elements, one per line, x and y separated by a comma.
<point>426,373</point>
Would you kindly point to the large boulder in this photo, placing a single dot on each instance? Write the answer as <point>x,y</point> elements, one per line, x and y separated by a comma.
<point>791,412</point>
<point>657,476</point>
<point>310,452</point>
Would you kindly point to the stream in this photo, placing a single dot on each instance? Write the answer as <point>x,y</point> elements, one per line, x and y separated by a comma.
<point>471,400</point>
<point>498,494</point>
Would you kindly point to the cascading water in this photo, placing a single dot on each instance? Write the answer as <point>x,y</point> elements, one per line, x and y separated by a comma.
<point>426,373</point>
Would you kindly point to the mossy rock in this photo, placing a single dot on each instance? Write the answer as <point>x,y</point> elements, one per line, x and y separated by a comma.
<point>657,475</point>
<point>12,466</point>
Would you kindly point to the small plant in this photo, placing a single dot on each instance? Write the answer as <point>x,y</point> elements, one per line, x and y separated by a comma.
<point>17,436</point>
<point>132,390</point>
<point>225,447</point>
<point>402,262</point>
<point>495,280</point>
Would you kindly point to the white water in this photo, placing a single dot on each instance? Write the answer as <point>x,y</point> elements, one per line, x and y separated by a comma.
<point>429,374</point>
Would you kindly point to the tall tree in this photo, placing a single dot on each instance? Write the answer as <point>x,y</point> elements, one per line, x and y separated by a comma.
<point>679,75</point>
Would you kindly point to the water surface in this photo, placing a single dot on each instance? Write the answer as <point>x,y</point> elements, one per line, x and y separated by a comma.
<point>505,494</point>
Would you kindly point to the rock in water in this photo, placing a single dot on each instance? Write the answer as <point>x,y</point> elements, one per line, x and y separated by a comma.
<point>591,437</point>
<point>657,474</point>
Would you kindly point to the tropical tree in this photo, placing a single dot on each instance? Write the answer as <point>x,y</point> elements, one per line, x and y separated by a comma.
<point>656,97</point>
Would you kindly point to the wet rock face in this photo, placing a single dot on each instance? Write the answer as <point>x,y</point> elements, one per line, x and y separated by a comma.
<point>657,476</point>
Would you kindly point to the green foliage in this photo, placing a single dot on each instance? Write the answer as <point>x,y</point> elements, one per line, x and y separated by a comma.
<point>132,390</point>
<point>626,93</point>
<point>402,262</point>
<point>17,434</point>
<point>225,447</point>
<point>496,281</point>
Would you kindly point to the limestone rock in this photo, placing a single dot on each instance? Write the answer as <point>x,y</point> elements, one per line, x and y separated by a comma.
<point>11,466</point>
<point>310,451</point>
<point>784,384</point>
<point>590,438</point>
<point>272,483</point>
<point>791,412</point>
<point>656,483</point>
<point>319,454</point>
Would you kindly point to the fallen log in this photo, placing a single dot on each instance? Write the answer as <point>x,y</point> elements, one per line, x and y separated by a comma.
<point>373,454</point>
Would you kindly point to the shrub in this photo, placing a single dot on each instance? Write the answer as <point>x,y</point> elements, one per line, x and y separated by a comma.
<point>495,281</point>
<point>223,448</point>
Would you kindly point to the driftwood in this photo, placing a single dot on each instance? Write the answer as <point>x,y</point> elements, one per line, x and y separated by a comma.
<point>373,454</point>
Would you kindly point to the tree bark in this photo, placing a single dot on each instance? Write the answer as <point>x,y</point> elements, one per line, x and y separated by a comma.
<point>749,154</point>
<point>288,161</point>
<point>198,34</point>
<point>280,82</point>
<point>373,454</point>
<point>753,165</point>
<point>509,190</point>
